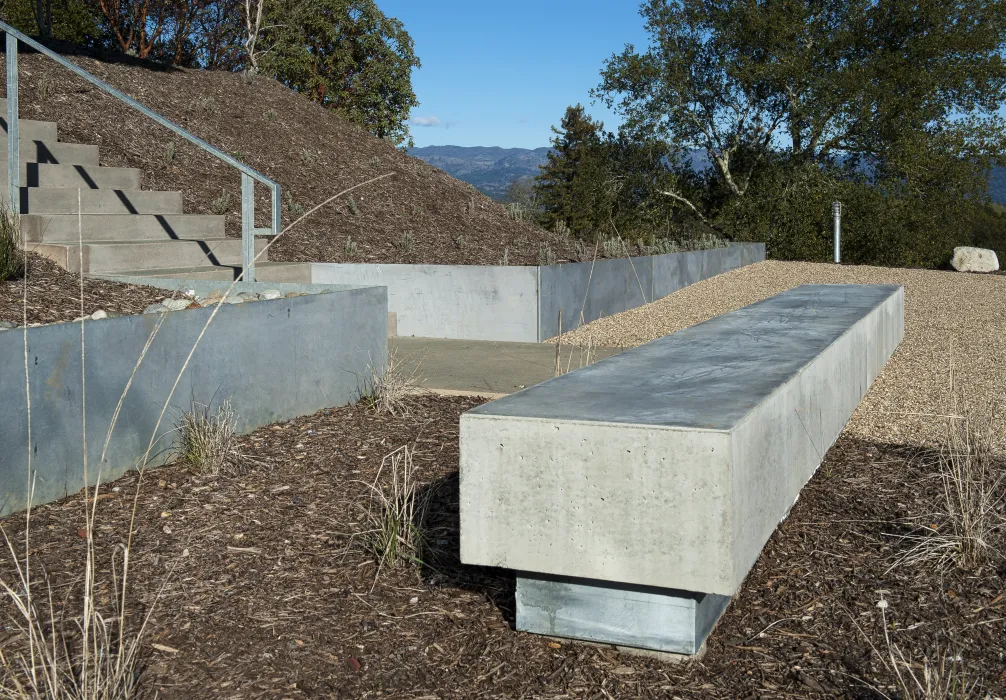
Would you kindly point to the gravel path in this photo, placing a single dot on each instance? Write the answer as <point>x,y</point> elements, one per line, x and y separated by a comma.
<point>946,314</point>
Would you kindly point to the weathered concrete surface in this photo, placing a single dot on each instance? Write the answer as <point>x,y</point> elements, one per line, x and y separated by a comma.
<point>603,288</point>
<point>636,616</point>
<point>450,301</point>
<point>613,286</point>
<point>671,464</point>
<point>275,360</point>
<point>521,304</point>
<point>485,367</point>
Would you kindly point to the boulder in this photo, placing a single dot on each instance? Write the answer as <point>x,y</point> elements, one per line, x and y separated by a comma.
<point>967,259</point>
<point>155,309</point>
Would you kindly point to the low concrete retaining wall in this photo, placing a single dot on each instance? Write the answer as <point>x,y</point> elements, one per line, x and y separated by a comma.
<point>659,474</point>
<point>450,301</point>
<point>274,360</point>
<point>522,304</point>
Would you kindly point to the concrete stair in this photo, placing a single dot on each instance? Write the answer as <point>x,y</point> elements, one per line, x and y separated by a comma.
<point>123,229</point>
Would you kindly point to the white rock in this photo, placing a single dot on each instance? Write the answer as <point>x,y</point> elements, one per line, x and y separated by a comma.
<point>176,304</point>
<point>271,294</point>
<point>99,314</point>
<point>155,309</point>
<point>967,259</point>
<point>234,300</point>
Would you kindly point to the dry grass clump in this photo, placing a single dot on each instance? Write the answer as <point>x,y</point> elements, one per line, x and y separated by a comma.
<point>206,437</point>
<point>919,680</point>
<point>85,657</point>
<point>390,389</point>
<point>11,255</point>
<point>967,527</point>
<point>395,513</point>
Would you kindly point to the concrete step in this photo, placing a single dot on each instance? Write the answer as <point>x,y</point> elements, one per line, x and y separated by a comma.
<point>91,177</point>
<point>58,228</point>
<point>52,152</point>
<point>28,128</point>
<point>265,271</point>
<point>114,258</point>
<point>36,200</point>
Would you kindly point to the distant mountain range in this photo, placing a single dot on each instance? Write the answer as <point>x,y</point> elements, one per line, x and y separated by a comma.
<point>491,169</point>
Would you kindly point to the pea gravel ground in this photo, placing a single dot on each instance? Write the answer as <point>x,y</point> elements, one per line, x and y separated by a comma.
<point>952,319</point>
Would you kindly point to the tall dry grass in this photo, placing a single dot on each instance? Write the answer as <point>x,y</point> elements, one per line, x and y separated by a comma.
<point>395,513</point>
<point>917,677</point>
<point>966,527</point>
<point>59,651</point>
<point>390,388</point>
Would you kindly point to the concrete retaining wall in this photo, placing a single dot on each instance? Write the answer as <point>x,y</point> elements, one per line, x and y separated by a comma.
<point>522,304</point>
<point>450,301</point>
<point>275,360</point>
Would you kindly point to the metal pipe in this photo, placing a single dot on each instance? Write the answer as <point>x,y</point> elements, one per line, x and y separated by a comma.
<point>247,227</point>
<point>277,211</point>
<point>836,215</point>
<point>13,135</point>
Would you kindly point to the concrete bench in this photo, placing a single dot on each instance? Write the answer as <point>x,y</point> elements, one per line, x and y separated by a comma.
<point>634,495</point>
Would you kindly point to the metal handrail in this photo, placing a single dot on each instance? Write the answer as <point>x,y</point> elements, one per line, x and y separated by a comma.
<point>248,175</point>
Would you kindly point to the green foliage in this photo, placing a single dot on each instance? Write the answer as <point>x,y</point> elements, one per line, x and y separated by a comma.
<point>597,185</point>
<point>348,56</point>
<point>520,192</point>
<point>74,21</point>
<point>988,229</point>
<point>886,105</point>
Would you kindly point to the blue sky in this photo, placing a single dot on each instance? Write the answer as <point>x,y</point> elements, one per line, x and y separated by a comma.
<point>502,73</point>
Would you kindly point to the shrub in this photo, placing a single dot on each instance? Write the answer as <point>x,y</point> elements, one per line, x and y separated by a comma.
<point>206,437</point>
<point>405,242</point>
<point>222,204</point>
<point>395,513</point>
<point>11,255</point>
<point>967,526</point>
<point>350,248</point>
<point>296,209</point>
<point>518,212</point>
<point>389,389</point>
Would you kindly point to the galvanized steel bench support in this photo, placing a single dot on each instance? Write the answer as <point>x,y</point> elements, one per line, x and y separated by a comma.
<point>633,496</point>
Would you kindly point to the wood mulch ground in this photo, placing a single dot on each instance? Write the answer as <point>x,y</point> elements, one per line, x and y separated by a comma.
<point>53,295</point>
<point>417,215</point>
<point>267,594</point>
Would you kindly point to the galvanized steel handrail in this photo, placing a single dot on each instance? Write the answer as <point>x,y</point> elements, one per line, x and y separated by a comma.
<point>248,175</point>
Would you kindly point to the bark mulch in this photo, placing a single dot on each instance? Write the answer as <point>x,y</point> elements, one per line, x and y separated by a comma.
<point>53,295</point>
<point>418,215</point>
<point>266,593</point>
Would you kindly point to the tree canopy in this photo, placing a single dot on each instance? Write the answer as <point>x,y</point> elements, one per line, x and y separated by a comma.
<point>345,54</point>
<point>889,105</point>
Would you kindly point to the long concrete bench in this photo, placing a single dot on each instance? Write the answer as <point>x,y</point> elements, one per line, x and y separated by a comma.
<point>633,496</point>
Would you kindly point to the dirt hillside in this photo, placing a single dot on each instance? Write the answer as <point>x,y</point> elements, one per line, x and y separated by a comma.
<point>417,215</point>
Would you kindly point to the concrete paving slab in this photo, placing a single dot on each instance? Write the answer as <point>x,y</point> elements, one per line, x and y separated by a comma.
<point>484,367</point>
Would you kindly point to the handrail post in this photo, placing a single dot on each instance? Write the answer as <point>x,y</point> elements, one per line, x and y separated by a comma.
<point>13,137</point>
<point>277,210</point>
<point>248,227</point>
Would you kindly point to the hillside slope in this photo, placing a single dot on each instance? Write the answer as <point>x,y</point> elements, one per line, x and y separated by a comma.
<point>418,215</point>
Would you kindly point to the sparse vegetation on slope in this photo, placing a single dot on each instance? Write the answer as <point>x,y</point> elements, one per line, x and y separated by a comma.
<point>271,126</point>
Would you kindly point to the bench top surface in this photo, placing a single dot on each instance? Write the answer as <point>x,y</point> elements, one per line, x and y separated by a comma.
<point>708,376</point>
